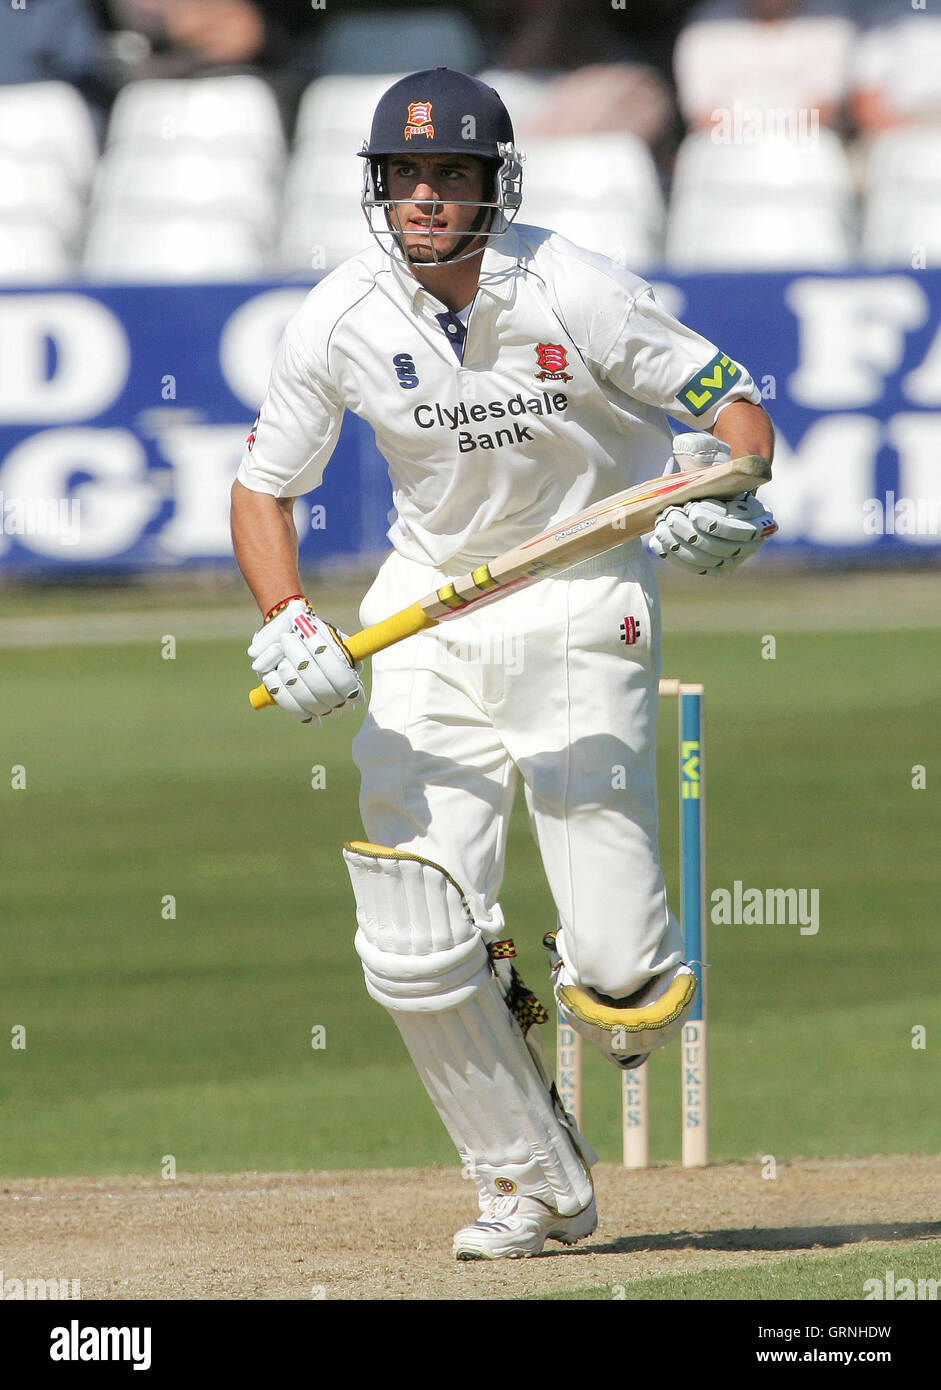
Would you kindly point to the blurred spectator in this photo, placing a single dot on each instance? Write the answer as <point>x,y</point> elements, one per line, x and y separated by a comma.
<point>183,38</point>
<point>604,97</point>
<point>896,77</point>
<point>765,56</point>
<point>534,36</point>
<point>598,65</point>
<point>194,38</point>
<point>386,37</point>
<point>287,42</point>
<point>175,38</point>
<point>57,41</point>
<point>653,27</point>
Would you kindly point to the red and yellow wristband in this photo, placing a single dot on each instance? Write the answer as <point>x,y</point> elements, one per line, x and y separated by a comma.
<point>280,607</point>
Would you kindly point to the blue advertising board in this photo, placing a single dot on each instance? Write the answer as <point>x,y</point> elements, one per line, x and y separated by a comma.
<point>124,411</point>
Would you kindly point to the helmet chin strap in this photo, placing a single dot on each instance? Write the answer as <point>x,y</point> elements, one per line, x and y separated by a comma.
<point>476,226</point>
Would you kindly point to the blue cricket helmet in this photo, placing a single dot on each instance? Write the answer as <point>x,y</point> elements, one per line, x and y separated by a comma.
<point>443,111</point>
<point>440,111</point>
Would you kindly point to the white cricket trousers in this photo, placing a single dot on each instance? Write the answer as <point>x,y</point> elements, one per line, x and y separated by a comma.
<point>544,687</point>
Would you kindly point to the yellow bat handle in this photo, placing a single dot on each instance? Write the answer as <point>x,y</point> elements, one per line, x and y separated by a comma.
<point>372,639</point>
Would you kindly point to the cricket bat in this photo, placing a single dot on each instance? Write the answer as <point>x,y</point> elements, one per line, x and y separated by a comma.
<point>606,525</point>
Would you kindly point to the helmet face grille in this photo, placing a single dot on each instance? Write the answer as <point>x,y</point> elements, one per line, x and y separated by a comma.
<point>507,195</point>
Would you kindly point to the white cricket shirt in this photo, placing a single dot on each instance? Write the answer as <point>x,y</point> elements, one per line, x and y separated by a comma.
<point>570,366</point>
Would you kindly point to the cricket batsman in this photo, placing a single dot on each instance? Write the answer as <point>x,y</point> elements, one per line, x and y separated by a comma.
<point>512,380</point>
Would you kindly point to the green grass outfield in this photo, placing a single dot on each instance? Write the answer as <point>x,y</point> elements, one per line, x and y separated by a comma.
<point>147,1036</point>
<point>847,1276</point>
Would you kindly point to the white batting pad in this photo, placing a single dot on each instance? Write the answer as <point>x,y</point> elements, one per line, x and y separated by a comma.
<point>425,960</point>
<point>420,948</point>
<point>651,1017</point>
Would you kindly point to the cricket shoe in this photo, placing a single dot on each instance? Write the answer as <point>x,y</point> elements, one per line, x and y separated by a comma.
<point>514,1228</point>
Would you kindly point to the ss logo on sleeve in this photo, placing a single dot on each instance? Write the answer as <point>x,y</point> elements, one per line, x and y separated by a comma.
<point>708,384</point>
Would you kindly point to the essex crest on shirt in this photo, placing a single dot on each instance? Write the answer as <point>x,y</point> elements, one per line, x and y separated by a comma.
<point>551,358</point>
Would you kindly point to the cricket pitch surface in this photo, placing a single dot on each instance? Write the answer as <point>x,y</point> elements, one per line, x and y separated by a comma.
<point>386,1234</point>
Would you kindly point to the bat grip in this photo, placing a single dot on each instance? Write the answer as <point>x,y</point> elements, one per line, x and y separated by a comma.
<point>367,642</point>
<point>391,630</point>
<point>259,698</point>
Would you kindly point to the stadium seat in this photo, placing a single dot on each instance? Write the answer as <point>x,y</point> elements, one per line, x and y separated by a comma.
<point>315,170</point>
<point>774,203</point>
<point>34,190</point>
<point>595,168</point>
<point>607,231</point>
<point>600,191</point>
<point>190,181</point>
<point>322,221</point>
<point>160,250</point>
<point>897,64</point>
<point>237,113</point>
<point>336,113</point>
<point>785,166</point>
<point>48,122</point>
<point>770,233</point>
<point>522,94</point>
<point>909,157</point>
<point>899,224</point>
<point>32,252</point>
<point>316,239</point>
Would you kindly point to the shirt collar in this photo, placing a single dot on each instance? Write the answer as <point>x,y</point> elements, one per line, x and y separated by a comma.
<point>500,266</point>
<point>498,271</point>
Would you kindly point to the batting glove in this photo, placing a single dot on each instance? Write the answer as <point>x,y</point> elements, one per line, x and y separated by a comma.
<point>304,665</point>
<point>712,537</point>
